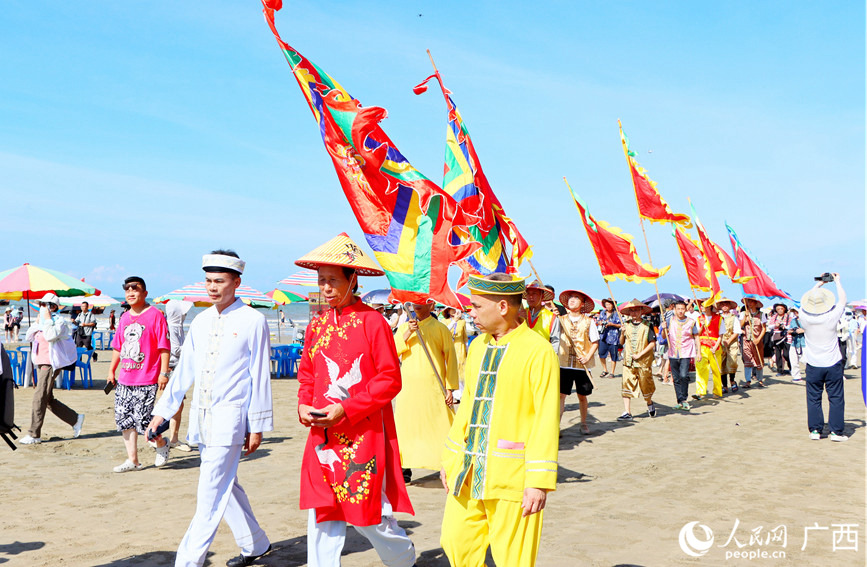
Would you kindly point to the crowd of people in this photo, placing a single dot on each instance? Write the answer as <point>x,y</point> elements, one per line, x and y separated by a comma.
<point>474,394</point>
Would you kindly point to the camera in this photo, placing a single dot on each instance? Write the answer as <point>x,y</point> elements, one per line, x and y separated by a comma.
<point>826,277</point>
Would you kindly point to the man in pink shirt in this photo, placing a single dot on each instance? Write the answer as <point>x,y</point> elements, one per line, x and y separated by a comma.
<point>141,348</point>
<point>682,334</point>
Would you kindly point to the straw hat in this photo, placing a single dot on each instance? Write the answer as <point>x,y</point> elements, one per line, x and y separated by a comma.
<point>726,301</point>
<point>343,252</point>
<point>587,304</point>
<point>759,304</point>
<point>547,294</point>
<point>484,286</point>
<point>817,301</point>
<point>635,305</point>
<point>607,300</point>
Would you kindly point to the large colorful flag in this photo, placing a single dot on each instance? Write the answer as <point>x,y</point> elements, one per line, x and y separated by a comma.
<point>720,262</point>
<point>614,249</point>
<point>465,180</point>
<point>406,218</point>
<point>761,285</point>
<point>651,205</point>
<point>698,270</point>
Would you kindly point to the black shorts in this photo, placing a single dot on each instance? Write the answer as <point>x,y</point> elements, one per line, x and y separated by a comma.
<point>569,376</point>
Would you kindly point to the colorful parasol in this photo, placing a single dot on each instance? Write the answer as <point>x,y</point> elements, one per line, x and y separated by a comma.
<point>198,294</point>
<point>305,277</point>
<point>32,282</point>
<point>283,297</point>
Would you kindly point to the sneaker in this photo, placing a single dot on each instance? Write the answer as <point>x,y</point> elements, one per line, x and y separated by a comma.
<point>162,455</point>
<point>76,429</point>
<point>834,437</point>
<point>815,435</point>
<point>796,380</point>
<point>625,417</point>
<point>28,440</point>
<point>651,410</point>
<point>127,466</point>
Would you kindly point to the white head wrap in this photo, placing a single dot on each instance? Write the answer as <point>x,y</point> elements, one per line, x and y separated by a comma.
<point>222,261</point>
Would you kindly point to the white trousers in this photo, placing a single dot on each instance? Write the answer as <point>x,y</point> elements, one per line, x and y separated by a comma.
<point>795,362</point>
<point>325,540</point>
<point>220,496</point>
<point>853,351</point>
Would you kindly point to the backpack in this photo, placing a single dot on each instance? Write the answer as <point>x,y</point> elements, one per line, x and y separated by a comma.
<point>7,401</point>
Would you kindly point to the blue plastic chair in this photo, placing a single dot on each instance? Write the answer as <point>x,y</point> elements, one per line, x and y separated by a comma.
<point>16,371</point>
<point>24,352</point>
<point>83,366</point>
<point>98,336</point>
<point>275,361</point>
<point>294,359</point>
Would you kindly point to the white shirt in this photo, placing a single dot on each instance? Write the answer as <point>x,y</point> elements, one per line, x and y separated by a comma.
<point>820,332</point>
<point>227,356</point>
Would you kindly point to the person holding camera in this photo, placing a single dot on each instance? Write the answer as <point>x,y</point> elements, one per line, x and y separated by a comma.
<point>819,317</point>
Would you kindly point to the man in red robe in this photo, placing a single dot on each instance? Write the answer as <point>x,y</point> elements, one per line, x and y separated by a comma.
<point>348,376</point>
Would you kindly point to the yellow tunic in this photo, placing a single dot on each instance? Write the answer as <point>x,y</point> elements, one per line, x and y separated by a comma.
<point>504,439</point>
<point>458,330</point>
<point>420,413</point>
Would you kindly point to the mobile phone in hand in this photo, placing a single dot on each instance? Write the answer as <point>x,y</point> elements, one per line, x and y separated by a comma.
<point>318,414</point>
<point>109,386</point>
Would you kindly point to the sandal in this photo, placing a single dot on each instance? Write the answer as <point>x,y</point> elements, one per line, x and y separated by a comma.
<point>584,429</point>
<point>734,388</point>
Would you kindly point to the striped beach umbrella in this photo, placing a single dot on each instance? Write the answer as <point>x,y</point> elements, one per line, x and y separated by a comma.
<point>305,277</point>
<point>32,282</point>
<point>198,294</point>
<point>283,297</point>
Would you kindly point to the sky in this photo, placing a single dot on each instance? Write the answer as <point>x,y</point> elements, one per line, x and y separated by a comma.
<point>137,136</point>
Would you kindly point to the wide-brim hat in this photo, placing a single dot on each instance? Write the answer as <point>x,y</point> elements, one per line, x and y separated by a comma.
<point>726,301</point>
<point>587,303</point>
<point>817,301</point>
<point>343,252</point>
<point>759,303</point>
<point>635,305</point>
<point>786,307</point>
<point>481,285</point>
<point>607,300</point>
<point>547,294</point>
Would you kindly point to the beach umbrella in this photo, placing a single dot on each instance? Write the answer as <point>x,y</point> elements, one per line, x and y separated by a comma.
<point>652,301</point>
<point>282,297</point>
<point>305,277</point>
<point>32,282</point>
<point>93,300</point>
<point>376,296</point>
<point>198,294</point>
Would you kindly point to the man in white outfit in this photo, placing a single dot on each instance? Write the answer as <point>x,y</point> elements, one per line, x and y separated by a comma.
<point>226,355</point>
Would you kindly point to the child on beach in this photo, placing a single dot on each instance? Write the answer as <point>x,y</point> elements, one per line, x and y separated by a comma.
<point>141,349</point>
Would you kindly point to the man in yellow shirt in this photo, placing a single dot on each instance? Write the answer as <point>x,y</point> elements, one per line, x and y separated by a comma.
<point>500,458</point>
<point>422,412</point>
<point>539,318</point>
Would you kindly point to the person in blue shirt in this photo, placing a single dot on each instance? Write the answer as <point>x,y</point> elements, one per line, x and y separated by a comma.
<point>796,345</point>
<point>609,337</point>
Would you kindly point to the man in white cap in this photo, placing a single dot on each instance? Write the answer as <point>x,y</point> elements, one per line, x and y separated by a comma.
<point>52,350</point>
<point>819,316</point>
<point>226,354</point>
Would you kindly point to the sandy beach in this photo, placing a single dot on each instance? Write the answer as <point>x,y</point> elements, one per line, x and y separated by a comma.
<point>743,464</point>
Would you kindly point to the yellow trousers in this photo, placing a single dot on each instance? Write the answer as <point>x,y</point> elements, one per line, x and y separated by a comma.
<point>709,363</point>
<point>470,526</point>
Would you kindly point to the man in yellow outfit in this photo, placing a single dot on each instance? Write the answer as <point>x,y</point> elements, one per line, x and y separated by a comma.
<point>539,318</point>
<point>500,458</point>
<point>422,412</point>
<point>710,339</point>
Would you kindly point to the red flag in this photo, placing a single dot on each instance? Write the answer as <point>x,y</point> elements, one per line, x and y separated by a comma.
<point>614,250</point>
<point>720,262</point>
<point>761,284</point>
<point>698,271</point>
<point>651,205</point>
<point>406,218</point>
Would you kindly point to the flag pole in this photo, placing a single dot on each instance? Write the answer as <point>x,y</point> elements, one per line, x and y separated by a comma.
<point>641,222</point>
<point>427,354</point>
